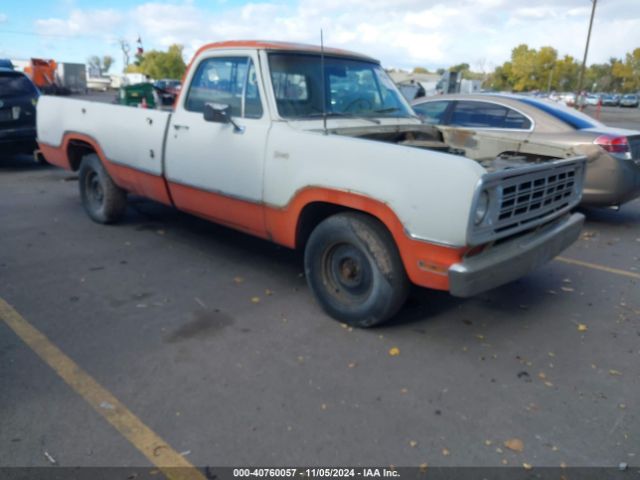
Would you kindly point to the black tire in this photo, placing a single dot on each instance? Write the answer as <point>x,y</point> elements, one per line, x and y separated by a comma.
<point>354,270</point>
<point>102,199</point>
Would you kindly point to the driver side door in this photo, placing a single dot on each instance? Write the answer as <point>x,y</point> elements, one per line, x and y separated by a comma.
<point>213,169</point>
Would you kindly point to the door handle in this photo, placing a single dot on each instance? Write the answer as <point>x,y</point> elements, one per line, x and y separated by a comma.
<point>181,127</point>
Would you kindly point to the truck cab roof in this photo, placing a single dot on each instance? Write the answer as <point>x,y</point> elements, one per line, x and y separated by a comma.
<point>282,46</point>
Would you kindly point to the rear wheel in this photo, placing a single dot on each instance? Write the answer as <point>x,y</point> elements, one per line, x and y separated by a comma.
<point>102,199</point>
<point>354,269</point>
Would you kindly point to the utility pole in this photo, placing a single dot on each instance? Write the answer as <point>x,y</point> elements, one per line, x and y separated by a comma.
<point>586,48</point>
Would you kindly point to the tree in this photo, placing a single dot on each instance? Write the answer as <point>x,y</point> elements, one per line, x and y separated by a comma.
<point>100,65</point>
<point>600,75</point>
<point>627,74</point>
<point>530,69</point>
<point>420,70</point>
<point>156,64</point>
<point>107,61</point>
<point>565,74</point>
<point>464,70</point>
<point>133,68</point>
<point>500,79</point>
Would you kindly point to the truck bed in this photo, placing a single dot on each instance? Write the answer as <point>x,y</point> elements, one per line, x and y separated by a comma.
<point>132,137</point>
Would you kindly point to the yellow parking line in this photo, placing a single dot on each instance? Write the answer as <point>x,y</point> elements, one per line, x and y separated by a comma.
<point>171,463</point>
<point>602,268</point>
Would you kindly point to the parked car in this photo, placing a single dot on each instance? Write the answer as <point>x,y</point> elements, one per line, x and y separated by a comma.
<point>568,98</point>
<point>18,97</point>
<point>168,90</point>
<point>629,100</point>
<point>6,63</point>
<point>320,152</point>
<point>610,100</point>
<point>592,99</point>
<point>485,126</point>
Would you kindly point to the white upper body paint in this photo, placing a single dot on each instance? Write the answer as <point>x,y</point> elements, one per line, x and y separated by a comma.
<point>272,159</point>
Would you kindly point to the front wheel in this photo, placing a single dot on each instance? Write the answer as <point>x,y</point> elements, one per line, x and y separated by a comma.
<point>102,199</point>
<point>354,269</point>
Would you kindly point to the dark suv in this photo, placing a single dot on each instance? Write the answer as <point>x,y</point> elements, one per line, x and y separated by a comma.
<point>18,97</point>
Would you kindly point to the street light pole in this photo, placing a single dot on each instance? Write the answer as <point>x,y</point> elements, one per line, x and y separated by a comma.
<point>586,48</point>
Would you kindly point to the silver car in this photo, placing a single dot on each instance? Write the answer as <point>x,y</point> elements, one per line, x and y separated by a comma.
<point>629,100</point>
<point>487,126</point>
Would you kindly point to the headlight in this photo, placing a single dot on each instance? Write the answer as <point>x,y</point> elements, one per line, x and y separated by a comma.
<point>482,207</point>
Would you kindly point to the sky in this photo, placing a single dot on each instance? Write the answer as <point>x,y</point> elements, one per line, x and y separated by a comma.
<point>400,33</point>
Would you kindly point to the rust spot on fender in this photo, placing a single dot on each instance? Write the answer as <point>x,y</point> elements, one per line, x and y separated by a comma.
<point>459,137</point>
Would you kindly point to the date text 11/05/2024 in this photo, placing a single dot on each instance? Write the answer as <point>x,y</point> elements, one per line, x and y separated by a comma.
<point>314,472</point>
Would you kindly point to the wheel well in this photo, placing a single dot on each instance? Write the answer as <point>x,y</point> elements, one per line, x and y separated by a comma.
<point>311,215</point>
<point>76,150</point>
<point>314,213</point>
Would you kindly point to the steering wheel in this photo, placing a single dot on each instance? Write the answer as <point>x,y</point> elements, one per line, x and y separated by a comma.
<point>364,103</point>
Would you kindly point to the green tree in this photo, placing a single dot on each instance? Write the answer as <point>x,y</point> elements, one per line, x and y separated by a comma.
<point>600,75</point>
<point>465,72</point>
<point>522,65</point>
<point>532,69</point>
<point>627,74</point>
<point>133,68</point>
<point>461,67</point>
<point>500,79</point>
<point>420,70</point>
<point>564,77</point>
<point>156,64</point>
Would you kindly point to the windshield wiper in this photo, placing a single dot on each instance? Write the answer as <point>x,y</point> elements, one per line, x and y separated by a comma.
<point>343,115</point>
<point>387,110</point>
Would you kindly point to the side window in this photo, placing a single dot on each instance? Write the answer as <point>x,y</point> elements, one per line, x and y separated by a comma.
<point>226,80</point>
<point>517,121</point>
<point>479,114</point>
<point>432,112</point>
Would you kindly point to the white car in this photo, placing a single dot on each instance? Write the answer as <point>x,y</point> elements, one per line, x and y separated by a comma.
<point>592,100</point>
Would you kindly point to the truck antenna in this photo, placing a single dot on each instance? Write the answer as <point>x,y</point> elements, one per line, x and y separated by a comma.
<point>324,86</point>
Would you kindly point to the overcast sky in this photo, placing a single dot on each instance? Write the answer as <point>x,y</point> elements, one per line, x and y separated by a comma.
<point>401,33</point>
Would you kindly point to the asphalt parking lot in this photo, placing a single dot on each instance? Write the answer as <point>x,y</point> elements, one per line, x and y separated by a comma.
<point>211,339</point>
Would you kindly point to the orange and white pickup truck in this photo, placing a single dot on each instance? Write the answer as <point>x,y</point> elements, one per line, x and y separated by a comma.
<point>316,149</point>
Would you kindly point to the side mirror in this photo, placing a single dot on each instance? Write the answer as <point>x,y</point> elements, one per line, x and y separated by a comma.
<point>217,112</point>
<point>220,113</point>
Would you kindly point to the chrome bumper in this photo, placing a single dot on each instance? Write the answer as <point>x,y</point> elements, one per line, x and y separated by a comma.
<point>515,258</point>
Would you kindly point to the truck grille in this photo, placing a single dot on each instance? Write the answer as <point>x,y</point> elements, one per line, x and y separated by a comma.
<point>537,195</point>
<point>522,198</point>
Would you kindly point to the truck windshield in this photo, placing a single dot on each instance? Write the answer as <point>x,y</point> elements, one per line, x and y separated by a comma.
<point>353,88</point>
<point>15,84</point>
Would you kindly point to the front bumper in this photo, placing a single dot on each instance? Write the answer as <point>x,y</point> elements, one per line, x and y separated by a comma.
<point>515,258</point>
